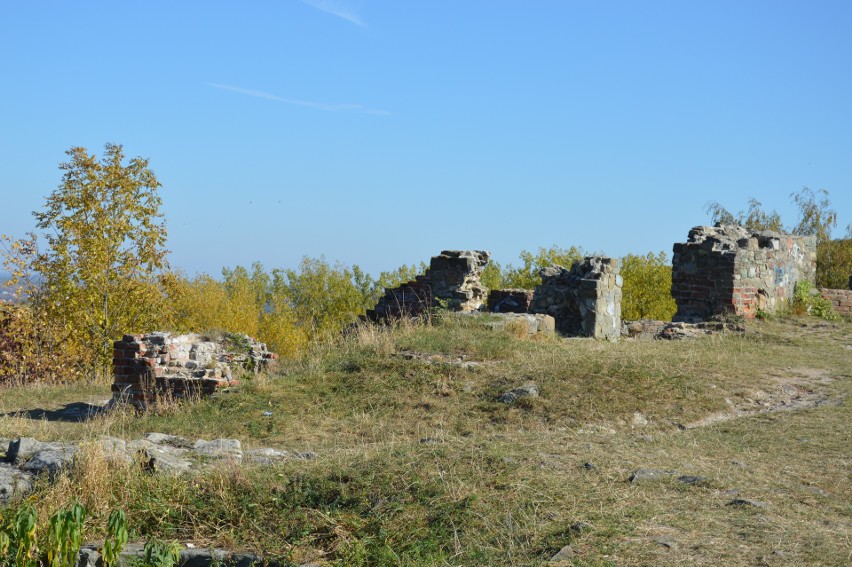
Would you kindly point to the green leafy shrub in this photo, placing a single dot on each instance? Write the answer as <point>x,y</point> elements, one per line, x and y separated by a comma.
<point>834,263</point>
<point>525,276</point>
<point>161,554</point>
<point>807,302</point>
<point>18,538</point>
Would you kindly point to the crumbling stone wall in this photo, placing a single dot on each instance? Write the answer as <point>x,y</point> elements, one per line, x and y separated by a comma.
<point>156,364</point>
<point>841,300</point>
<point>453,278</point>
<point>509,300</point>
<point>730,269</point>
<point>585,300</point>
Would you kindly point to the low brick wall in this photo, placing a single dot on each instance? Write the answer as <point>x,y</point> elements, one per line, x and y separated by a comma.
<point>158,364</point>
<point>841,300</point>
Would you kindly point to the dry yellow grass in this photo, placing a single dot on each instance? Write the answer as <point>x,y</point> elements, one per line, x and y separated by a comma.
<point>419,464</point>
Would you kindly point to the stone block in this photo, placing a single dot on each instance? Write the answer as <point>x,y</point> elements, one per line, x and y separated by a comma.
<point>585,300</point>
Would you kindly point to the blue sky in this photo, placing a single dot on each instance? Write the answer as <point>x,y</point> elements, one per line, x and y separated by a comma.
<point>380,132</point>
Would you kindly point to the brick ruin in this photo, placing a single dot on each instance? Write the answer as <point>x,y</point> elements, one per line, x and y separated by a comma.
<point>585,300</point>
<point>724,269</point>
<point>452,279</point>
<point>157,364</point>
<point>728,269</point>
<point>841,299</point>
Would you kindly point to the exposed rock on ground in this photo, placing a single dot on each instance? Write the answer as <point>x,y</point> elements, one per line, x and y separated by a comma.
<point>649,329</point>
<point>526,391</point>
<point>27,458</point>
<point>532,323</point>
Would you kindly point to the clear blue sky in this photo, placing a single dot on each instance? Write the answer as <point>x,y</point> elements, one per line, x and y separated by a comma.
<point>379,132</point>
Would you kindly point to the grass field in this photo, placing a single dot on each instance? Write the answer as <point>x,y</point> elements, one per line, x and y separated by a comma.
<point>419,464</point>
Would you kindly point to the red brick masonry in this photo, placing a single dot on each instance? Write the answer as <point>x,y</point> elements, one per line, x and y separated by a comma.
<point>841,300</point>
<point>146,367</point>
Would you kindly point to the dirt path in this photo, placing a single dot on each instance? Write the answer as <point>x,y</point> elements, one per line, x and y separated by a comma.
<point>800,388</point>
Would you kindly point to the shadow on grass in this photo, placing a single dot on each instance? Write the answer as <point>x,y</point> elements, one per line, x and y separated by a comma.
<point>74,412</point>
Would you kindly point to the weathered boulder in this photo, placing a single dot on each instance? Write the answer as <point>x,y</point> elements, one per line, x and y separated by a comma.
<point>224,449</point>
<point>50,460</point>
<point>13,481</point>
<point>529,390</point>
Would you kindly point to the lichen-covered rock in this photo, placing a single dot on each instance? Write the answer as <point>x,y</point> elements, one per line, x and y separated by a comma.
<point>13,481</point>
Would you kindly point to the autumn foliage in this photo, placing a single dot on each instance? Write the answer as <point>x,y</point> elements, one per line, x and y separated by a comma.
<point>98,270</point>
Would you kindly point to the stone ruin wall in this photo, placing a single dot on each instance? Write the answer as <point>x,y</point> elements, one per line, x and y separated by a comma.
<point>509,300</point>
<point>585,300</point>
<point>156,364</point>
<point>727,269</point>
<point>452,278</point>
<point>841,300</point>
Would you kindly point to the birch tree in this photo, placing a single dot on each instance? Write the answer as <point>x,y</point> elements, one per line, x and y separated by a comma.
<point>105,239</point>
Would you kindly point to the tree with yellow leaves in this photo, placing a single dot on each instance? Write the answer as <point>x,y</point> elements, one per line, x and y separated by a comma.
<point>105,243</point>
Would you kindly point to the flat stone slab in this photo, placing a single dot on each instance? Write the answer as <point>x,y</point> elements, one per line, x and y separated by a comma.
<point>157,452</point>
<point>226,449</point>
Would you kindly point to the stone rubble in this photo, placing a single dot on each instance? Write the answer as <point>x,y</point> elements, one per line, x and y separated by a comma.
<point>649,329</point>
<point>134,554</point>
<point>643,329</point>
<point>680,331</point>
<point>534,323</point>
